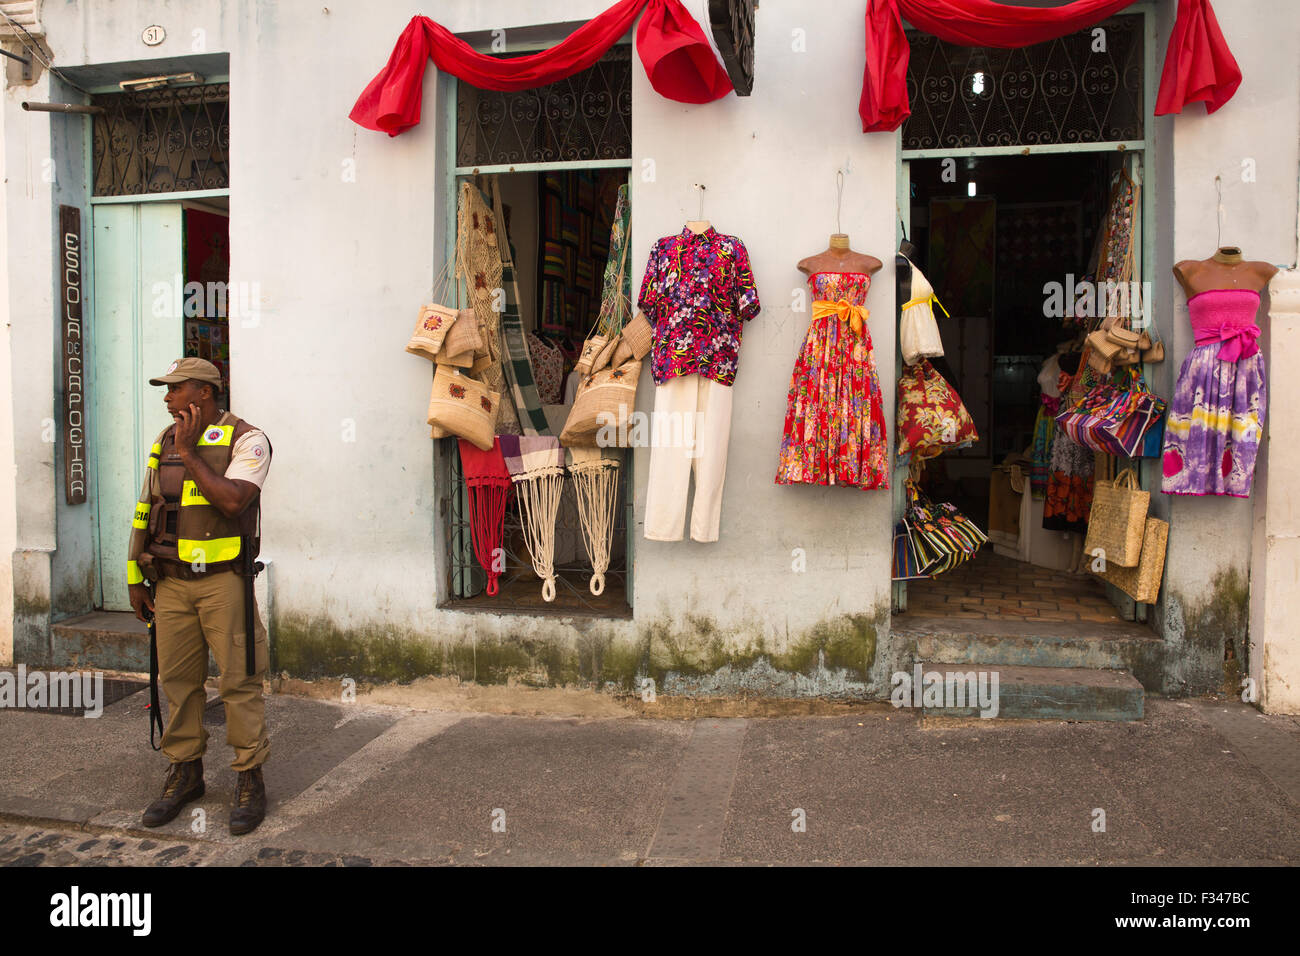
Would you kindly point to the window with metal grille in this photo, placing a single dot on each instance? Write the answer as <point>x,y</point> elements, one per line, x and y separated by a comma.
<point>1083,88</point>
<point>519,585</point>
<point>585,117</point>
<point>172,139</point>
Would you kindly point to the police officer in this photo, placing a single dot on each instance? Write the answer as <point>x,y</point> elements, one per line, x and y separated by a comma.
<point>198,513</point>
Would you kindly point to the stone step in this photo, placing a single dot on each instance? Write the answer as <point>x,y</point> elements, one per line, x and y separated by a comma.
<point>108,640</point>
<point>1038,693</point>
<point>1119,645</point>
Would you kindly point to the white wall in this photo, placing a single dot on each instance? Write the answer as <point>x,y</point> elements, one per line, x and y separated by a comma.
<point>343,261</point>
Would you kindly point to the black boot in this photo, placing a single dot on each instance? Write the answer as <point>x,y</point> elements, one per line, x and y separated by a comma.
<point>184,783</point>
<point>250,802</point>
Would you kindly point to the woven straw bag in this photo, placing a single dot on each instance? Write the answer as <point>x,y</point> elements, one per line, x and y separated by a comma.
<point>463,407</point>
<point>1117,522</point>
<point>638,338</point>
<point>605,399</point>
<point>1142,583</point>
<point>435,320</point>
<point>463,342</point>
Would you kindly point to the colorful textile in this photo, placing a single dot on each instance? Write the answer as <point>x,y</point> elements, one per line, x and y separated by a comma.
<point>616,291</point>
<point>548,369</point>
<point>531,456</point>
<point>1069,485</point>
<point>673,48</point>
<point>697,291</point>
<point>1198,63</point>
<point>1226,316</point>
<point>1115,416</point>
<point>1044,430</point>
<point>1216,418</point>
<point>931,416</point>
<point>835,421</point>
<point>489,486</point>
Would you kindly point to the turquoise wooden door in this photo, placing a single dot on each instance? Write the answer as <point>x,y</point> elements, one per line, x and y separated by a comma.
<point>136,332</point>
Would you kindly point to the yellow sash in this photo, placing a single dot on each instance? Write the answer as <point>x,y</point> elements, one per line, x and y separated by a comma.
<point>855,315</point>
<point>926,298</point>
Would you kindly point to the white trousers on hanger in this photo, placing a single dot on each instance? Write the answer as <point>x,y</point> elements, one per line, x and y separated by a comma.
<point>690,428</point>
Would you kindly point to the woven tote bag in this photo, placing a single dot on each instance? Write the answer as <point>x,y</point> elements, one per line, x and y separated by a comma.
<point>463,407</point>
<point>1142,583</point>
<point>1117,521</point>
<point>606,398</point>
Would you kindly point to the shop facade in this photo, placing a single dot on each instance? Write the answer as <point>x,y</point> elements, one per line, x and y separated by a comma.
<point>336,235</point>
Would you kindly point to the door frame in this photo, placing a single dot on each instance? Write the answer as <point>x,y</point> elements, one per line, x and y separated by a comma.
<point>1144,248</point>
<point>92,367</point>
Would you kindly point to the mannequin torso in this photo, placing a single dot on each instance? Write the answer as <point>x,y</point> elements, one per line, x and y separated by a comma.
<point>838,257</point>
<point>1226,269</point>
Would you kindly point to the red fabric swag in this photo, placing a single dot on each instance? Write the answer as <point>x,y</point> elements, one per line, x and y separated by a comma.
<point>673,48</point>
<point>1198,63</point>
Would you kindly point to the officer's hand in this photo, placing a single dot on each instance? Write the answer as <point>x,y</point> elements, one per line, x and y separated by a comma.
<point>188,428</point>
<point>140,601</point>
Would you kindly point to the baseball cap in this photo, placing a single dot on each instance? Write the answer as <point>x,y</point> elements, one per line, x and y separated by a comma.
<point>181,370</point>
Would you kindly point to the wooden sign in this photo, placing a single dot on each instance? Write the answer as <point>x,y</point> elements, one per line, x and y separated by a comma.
<point>732,23</point>
<point>72,354</point>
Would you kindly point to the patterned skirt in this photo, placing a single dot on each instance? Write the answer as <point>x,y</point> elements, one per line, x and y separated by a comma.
<point>1215,423</point>
<point>1069,485</point>
<point>835,420</point>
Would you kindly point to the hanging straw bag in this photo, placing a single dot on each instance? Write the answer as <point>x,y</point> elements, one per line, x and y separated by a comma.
<point>436,321</point>
<point>463,342</point>
<point>603,406</point>
<point>1142,583</point>
<point>463,407</point>
<point>1117,522</point>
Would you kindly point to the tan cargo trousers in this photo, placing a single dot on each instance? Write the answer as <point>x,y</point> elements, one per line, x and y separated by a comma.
<point>192,616</point>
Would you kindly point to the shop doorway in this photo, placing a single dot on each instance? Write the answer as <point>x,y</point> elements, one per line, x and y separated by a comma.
<point>161,277</point>
<point>1006,171</point>
<point>160,282</point>
<point>994,241</point>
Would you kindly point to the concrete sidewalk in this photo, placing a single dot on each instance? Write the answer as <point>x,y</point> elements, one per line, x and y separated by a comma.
<point>352,784</point>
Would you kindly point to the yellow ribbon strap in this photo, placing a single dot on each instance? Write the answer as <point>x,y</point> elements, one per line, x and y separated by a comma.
<point>845,311</point>
<point>926,298</point>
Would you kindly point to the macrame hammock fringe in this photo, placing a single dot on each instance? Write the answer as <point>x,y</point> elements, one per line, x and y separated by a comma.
<point>536,466</point>
<point>595,484</point>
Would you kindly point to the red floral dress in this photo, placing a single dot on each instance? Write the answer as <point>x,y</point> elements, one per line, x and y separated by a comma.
<point>835,420</point>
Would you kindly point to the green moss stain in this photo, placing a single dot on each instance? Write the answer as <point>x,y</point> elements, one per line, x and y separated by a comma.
<point>595,656</point>
<point>1211,647</point>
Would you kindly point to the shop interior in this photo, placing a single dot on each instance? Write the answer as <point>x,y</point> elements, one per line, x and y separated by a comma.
<point>207,262</point>
<point>990,233</point>
<point>558,223</point>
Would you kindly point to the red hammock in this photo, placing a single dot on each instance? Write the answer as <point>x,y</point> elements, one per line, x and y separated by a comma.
<point>489,490</point>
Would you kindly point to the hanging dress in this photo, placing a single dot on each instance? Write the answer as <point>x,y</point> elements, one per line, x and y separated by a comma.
<point>1216,418</point>
<point>918,330</point>
<point>835,421</point>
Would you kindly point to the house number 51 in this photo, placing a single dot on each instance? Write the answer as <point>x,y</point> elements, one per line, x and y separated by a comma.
<point>153,35</point>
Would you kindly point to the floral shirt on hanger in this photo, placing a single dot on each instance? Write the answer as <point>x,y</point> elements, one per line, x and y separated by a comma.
<point>696,292</point>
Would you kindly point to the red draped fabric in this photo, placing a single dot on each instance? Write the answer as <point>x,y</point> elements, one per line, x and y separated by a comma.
<point>673,48</point>
<point>1198,63</point>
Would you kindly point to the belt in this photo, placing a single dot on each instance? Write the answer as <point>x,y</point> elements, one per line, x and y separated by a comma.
<point>920,300</point>
<point>854,315</point>
<point>1239,341</point>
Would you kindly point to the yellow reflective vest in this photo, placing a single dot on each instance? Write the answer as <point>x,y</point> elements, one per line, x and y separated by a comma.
<point>180,531</point>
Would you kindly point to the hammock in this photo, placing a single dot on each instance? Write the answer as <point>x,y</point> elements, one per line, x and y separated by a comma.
<point>489,490</point>
<point>536,466</point>
<point>595,483</point>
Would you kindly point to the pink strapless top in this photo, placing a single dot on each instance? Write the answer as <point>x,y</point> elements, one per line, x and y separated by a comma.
<point>1227,316</point>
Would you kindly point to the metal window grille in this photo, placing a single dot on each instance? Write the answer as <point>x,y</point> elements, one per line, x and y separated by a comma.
<point>520,587</point>
<point>585,117</point>
<point>172,139</point>
<point>1083,88</point>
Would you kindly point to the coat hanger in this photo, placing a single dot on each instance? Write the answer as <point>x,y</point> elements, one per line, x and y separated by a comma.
<point>699,225</point>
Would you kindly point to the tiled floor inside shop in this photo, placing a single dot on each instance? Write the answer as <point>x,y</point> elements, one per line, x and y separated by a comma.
<point>993,587</point>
